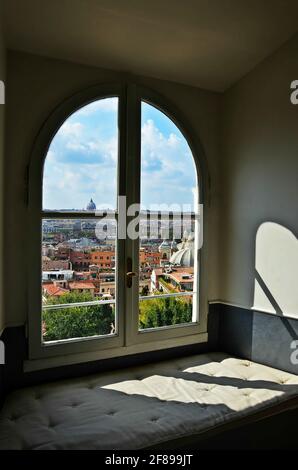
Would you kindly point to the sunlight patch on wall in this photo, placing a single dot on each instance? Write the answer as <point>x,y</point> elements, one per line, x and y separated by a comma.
<point>276,274</point>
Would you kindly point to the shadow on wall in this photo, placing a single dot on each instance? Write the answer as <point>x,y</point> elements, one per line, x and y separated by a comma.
<point>268,331</point>
<point>276,270</point>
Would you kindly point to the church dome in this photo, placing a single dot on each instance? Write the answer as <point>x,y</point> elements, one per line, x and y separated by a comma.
<point>184,257</point>
<point>185,254</point>
<point>91,206</point>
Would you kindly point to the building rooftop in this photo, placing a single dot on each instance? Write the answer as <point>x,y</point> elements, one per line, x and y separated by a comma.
<point>81,285</point>
<point>181,277</point>
<point>52,289</point>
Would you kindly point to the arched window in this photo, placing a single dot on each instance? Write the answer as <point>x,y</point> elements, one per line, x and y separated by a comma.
<point>120,182</point>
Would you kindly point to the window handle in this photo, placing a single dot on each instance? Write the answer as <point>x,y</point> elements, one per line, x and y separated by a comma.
<point>129,276</point>
<point>130,273</point>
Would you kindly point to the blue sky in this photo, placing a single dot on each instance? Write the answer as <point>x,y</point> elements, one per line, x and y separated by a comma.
<point>82,160</point>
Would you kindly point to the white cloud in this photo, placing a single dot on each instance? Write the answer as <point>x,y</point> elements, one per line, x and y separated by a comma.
<point>168,172</point>
<point>67,187</point>
<point>105,147</point>
<point>71,129</point>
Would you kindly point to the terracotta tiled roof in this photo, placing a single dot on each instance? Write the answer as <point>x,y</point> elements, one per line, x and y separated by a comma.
<point>51,289</point>
<point>81,285</point>
<point>182,277</point>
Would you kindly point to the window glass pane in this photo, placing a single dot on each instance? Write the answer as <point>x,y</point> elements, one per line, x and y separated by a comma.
<point>80,170</point>
<point>67,322</point>
<point>168,172</point>
<point>79,260</point>
<point>167,242</point>
<point>159,312</point>
<point>79,265</point>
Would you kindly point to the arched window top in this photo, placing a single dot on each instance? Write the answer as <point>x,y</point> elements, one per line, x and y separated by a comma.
<point>168,171</point>
<point>80,168</point>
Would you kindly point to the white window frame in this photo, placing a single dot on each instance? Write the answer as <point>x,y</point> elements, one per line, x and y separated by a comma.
<point>129,339</point>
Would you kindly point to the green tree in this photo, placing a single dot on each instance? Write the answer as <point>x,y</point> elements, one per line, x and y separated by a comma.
<point>145,291</point>
<point>76,322</point>
<point>164,312</point>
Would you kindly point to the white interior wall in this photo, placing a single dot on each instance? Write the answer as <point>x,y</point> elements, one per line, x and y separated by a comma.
<point>259,169</point>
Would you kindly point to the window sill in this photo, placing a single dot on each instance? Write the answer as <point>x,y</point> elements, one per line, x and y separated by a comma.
<point>70,359</point>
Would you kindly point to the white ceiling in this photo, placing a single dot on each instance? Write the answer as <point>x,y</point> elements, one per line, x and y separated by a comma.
<point>205,43</point>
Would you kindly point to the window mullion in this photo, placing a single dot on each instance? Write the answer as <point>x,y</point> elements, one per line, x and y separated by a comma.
<point>133,149</point>
<point>121,215</point>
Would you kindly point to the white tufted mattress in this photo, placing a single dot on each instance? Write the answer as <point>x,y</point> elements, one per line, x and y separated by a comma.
<point>143,406</point>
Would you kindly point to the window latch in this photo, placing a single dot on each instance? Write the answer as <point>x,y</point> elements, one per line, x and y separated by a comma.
<point>130,273</point>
